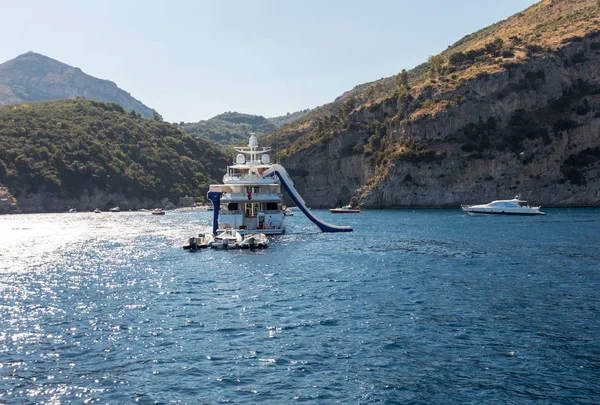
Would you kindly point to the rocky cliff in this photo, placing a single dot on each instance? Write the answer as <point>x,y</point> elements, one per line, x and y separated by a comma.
<point>35,77</point>
<point>525,125</point>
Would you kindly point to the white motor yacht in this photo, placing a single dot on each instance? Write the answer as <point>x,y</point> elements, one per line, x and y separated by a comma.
<point>516,206</point>
<point>346,209</point>
<point>248,201</point>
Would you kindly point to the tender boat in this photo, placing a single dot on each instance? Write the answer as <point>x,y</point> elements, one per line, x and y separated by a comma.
<point>115,209</point>
<point>248,201</point>
<point>516,206</point>
<point>346,209</point>
<point>199,242</point>
<point>97,211</point>
<point>256,240</point>
<point>227,239</point>
<point>157,211</point>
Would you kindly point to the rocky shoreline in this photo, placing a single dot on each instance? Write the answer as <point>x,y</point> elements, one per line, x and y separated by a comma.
<point>44,202</point>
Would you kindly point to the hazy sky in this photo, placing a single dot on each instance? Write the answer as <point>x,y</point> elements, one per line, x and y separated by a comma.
<point>191,60</point>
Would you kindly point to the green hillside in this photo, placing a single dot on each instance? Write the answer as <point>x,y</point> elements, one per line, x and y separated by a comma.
<point>228,129</point>
<point>288,118</point>
<point>67,147</point>
<point>232,128</point>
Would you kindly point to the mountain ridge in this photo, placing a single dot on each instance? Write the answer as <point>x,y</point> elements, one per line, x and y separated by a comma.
<point>34,77</point>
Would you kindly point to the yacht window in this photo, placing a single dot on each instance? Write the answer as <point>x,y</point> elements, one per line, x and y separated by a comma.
<point>271,206</point>
<point>255,189</point>
<point>233,206</point>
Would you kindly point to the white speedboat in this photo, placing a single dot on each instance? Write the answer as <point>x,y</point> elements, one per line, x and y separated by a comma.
<point>516,206</point>
<point>227,239</point>
<point>346,209</point>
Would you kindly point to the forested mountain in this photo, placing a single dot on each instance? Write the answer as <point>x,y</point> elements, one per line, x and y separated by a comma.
<point>288,118</point>
<point>89,154</point>
<point>35,77</point>
<point>232,128</point>
<point>512,108</point>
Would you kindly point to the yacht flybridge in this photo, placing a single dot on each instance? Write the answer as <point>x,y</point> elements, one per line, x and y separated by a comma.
<point>250,200</point>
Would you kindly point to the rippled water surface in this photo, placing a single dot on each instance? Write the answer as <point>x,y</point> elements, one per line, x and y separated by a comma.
<point>425,306</point>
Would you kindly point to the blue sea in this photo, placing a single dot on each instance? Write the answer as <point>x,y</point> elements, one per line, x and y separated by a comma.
<point>413,307</point>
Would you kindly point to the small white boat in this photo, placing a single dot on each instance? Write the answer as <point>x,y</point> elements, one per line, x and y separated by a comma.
<point>516,206</point>
<point>227,239</point>
<point>158,211</point>
<point>346,209</point>
<point>288,212</point>
<point>97,211</point>
<point>199,242</point>
<point>255,240</point>
<point>115,209</point>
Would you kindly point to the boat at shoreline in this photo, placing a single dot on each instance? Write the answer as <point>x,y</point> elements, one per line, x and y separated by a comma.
<point>516,206</point>
<point>158,211</point>
<point>346,209</point>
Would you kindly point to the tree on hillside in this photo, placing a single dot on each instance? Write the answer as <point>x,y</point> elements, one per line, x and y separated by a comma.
<point>402,87</point>
<point>435,65</point>
<point>402,81</point>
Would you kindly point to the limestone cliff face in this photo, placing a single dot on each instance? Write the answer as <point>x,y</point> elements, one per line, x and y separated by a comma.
<point>533,129</point>
<point>35,77</point>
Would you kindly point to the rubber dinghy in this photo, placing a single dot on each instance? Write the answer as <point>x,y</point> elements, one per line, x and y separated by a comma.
<point>288,184</point>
